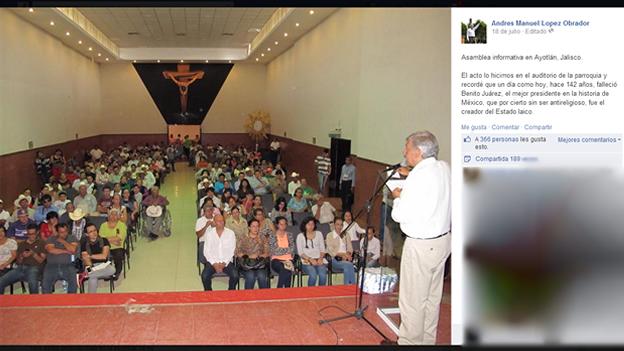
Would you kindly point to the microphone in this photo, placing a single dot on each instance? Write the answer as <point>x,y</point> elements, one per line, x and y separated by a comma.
<point>393,167</point>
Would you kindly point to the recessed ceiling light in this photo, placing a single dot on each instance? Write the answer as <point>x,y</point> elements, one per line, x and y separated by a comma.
<point>90,48</point>
<point>107,59</point>
<point>297,24</point>
<point>181,60</point>
<point>99,54</point>
<point>257,59</point>
<point>285,34</point>
<point>80,42</point>
<point>51,23</point>
<point>276,43</point>
<point>262,54</point>
<point>67,33</point>
<point>311,12</point>
<point>31,10</point>
<point>268,49</point>
<point>158,61</point>
<point>206,61</point>
<point>229,61</point>
<point>134,61</point>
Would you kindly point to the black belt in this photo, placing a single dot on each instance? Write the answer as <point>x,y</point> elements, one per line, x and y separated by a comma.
<point>435,237</point>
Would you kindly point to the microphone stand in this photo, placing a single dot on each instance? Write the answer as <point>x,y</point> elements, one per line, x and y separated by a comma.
<point>359,310</point>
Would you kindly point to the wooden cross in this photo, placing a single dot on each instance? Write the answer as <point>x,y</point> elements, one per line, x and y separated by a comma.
<point>183,77</point>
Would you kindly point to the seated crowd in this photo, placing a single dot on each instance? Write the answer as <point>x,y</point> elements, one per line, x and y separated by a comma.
<point>77,228</point>
<point>253,223</point>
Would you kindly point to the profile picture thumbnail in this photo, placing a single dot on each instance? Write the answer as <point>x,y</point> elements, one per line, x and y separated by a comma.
<point>474,32</point>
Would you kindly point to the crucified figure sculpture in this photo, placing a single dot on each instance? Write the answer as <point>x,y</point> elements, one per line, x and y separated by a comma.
<point>183,77</point>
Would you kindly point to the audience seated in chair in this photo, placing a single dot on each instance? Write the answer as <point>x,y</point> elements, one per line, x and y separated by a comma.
<point>153,226</point>
<point>237,223</point>
<point>297,203</point>
<point>281,210</point>
<point>252,251</point>
<point>374,248</point>
<point>354,230</point>
<point>17,230</point>
<point>31,255</point>
<point>218,253</point>
<point>266,226</point>
<point>311,249</point>
<point>322,210</point>
<point>61,254</point>
<point>45,208</point>
<point>8,253</point>
<point>48,228</point>
<point>341,252</point>
<point>115,231</point>
<point>282,247</point>
<point>85,200</point>
<point>95,251</point>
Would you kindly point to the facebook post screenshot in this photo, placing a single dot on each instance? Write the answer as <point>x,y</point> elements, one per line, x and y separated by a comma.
<point>537,182</point>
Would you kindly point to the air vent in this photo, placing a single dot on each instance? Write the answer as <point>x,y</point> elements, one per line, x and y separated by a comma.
<point>227,34</point>
<point>133,33</point>
<point>180,34</point>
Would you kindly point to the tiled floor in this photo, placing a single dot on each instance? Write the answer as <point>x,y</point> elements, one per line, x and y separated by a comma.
<point>169,264</point>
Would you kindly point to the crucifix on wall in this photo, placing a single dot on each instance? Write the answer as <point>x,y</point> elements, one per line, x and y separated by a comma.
<point>183,78</point>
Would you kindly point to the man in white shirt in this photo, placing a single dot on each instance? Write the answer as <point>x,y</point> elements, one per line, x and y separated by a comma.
<point>219,246</point>
<point>373,251</point>
<point>96,153</point>
<point>423,209</point>
<point>294,184</point>
<point>323,211</point>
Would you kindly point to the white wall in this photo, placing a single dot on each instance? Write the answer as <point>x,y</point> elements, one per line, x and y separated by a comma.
<point>48,92</point>
<point>128,108</point>
<point>382,73</point>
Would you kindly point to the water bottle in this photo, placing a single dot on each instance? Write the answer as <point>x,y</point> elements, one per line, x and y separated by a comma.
<point>65,285</point>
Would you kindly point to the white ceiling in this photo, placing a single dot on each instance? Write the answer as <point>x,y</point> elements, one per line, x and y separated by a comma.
<point>102,33</point>
<point>179,27</point>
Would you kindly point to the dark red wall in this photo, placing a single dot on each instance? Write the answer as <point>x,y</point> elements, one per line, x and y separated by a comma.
<point>299,157</point>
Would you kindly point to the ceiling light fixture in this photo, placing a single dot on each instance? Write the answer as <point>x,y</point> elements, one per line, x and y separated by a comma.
<point>257,59</point>
<point>276,43</point>
<point>134,61</point>
<point>80,42</point>
<point>311,12</point>
<point>262,54</point>
<point>181,60</point>
<point>51,23</point>
<point>268,49</point>
<point>285,34</point>
<point>90,48</point>
<point>206,61</point>
<point>229,61</point>
<point>158,61</point>
<point>99,54</point>
<point>107,59</point>
<point>31,10</point>
<point>67,33</point>
<point>297,24</point>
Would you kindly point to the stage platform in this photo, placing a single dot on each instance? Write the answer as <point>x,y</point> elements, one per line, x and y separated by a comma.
<point>243,317</point>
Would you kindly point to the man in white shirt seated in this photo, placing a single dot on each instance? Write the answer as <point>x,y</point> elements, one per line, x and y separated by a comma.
<point>4,216</point>
<point>210,193</point>
<point>294,184</point>
<point>219,246</point>
<point>96,153</point>
<point>85,200</point>
<point>373,251</point>
<point>323,211</point>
